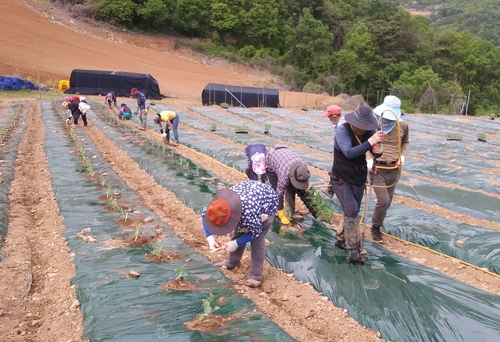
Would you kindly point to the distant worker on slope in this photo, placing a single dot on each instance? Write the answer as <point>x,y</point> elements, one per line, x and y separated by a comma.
<point>142,107</point>
<point>334,114</point>
<point>125,112</point>
<point>110,99</point>
<point>171,120</point>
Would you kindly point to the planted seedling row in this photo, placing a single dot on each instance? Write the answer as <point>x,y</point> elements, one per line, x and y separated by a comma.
<point>6,130</point>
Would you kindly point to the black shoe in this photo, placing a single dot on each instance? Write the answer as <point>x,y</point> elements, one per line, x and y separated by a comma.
<point>328,192</point>
<point>340,244</point>
<point>355,257</point>
<point>376,235</point>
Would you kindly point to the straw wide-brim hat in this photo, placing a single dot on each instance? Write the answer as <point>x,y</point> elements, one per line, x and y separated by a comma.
<point>362,118</point>
<point>223,213</point>
<point>299,176</point>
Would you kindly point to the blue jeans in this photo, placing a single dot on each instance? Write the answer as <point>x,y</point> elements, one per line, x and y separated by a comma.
<point>175,124</point>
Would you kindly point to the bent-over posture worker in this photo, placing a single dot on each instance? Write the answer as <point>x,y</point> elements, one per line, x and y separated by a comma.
<point>289,176</point>
<point>349,173</point>
<point>255,164</point>
<point>171,120</point>
<point>110,99</point>
<point>125,112</point>
<point>389,165</point>
<point>247,209</point>
<point>75,112</point>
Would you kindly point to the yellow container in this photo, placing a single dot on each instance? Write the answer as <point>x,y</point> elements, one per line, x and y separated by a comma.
<point>63,85</point>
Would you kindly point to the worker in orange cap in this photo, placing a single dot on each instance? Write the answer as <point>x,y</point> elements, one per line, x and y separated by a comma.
<point>334,113</point>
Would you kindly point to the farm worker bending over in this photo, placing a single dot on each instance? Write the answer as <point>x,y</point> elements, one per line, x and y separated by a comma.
<point>75,112</point>
<point>255,166</point>
<point>125,112</point>
<point>69,99</point>
<point>171,120</point>
<point>288,175</point>
<point>247,210</point>
<point>110,99</point>
<point>334,114</point>
<point>141,106</point>
<point>388,166</point>
<point>349,173</point>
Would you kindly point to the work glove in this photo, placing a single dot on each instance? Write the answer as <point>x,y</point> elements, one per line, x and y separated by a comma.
<point>369,164</point>
<point>377,137</point>
<point>264,217</point>
<point>231,246</point>
<point>401,161</point>
<point>161,131</point>
<point>283,218</point>
<point>164,135</point>
<point>212,243</point>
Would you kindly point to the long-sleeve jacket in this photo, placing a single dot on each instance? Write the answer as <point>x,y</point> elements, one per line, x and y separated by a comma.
<point>141,100</point>
<point>256,198</point>
<point>279,160</point>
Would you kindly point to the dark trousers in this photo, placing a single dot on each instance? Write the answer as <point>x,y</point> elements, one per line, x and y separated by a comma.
<point>258,251</point>
<point>175,124</point>
<point>350,196</point>
<point>381,180</point>
<point>290,193</point>
<point>76,115</point>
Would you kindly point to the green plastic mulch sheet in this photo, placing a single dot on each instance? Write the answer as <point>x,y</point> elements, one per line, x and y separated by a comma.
<point>479,245</point>
<point>403,300</point>
<point>8,155</point>
<point>120,308</point>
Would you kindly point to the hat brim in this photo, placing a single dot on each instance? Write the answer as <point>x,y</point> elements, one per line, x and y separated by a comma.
<point>379,110</point>
<point>298,184</point>
<point>371,125</point>
<point>234,201</point>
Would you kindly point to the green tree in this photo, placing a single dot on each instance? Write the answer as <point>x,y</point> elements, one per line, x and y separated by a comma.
<point>118,12</point>
<point>154,13</point>
<point>192,15</point>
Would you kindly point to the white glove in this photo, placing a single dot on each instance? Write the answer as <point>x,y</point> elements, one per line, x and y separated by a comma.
<point>369,164</point>
<point>402,160</point>
<point>231,246</point>
<point>264,217</point>
<point>212,243</point>
<point>164,135</point>
<point>376,138</point>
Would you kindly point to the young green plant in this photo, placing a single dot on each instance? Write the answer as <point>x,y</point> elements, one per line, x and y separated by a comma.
<point>157,250</point>
<point>137,228</point>
<point>180,272</point>
<point>207,306</point>
<point>320,205</point>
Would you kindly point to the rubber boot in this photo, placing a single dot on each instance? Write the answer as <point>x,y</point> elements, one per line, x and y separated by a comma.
<point>339,235</point>
<point>376,235</point>
<point>228,264</point>
<point>353,239</point>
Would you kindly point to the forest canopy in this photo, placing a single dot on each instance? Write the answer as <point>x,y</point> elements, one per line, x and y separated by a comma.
<point>368,47</point>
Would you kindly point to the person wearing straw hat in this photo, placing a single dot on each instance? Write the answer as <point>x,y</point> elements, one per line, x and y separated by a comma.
<point>334,114</point>
<point>247,210</point>
<point>388,166</point>
<point>171,120</point>
<point>289,175</point>
<point>255,166</point>
<point>353,139</point>
<point>74,108</point>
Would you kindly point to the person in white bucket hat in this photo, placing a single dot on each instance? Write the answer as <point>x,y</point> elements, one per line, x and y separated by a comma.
<point>396,145</point>
<point>255,166</point>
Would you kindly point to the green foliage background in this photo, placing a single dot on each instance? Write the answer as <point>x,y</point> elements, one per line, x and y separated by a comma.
<point>368,47</point>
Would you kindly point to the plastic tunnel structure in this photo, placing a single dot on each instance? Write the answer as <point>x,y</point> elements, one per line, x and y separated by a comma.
<point>98,82</point>
<point>238,96</point>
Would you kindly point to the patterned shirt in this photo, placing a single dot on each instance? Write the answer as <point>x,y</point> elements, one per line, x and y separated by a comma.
<point>256,198</point>
<point>279,160</point>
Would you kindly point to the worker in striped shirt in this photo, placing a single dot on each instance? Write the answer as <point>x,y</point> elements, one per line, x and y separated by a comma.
<point>289,175</point>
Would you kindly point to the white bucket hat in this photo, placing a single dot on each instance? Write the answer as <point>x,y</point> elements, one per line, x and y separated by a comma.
<point>391,103</point>
<point>258,163</point>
